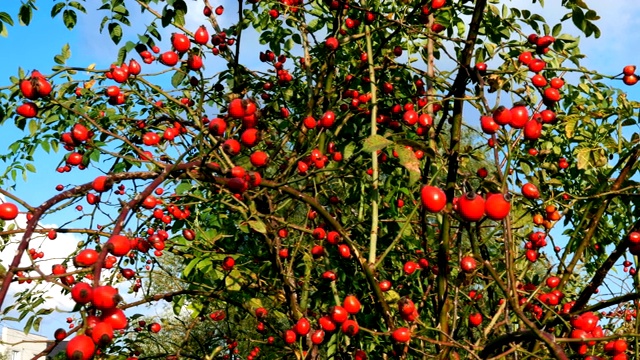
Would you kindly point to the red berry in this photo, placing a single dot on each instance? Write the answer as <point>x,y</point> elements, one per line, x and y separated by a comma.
<point>332,43</point>
<point>497,207</point>
<point>433,198</point>
<point>475,319</point>
<point>468,264</point>
<point>401,335</point>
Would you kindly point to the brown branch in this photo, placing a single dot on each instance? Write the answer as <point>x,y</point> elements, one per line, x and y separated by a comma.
<point>39,211</point>
<point>458,91</point>
<point>545,337</point>
<point>601,273</point>
<point>373,284</point>
<point>120,221</point>
<point>595,220</point>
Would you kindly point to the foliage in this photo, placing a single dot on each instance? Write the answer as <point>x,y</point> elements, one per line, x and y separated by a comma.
<point>345,154</point>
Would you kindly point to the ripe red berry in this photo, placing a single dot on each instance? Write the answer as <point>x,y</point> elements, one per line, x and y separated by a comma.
<point>537,65</point>
<point>629,70</point>
<point>468,264</point>
<point>433,198</point>
<point>475,319</point>
<point>552,94</point>
<point>180,42</point>
<point>201,36</point>
<point>351,304</point>
<point>259,158</point>
<point>80,347</point>
<point>410,267</point>
<point>401,335</point>
<point>502,116</point>
<point>525,58</point>
<point>497,206</point>
<point>302,327</point>
<point>8,211</point>
<point>553,281</point>
<point>627,80</point>
<point>332,43</point>
<point>489,125</point>
<point>530,191</point>
<point>519,116</point>
<point>471,207</point>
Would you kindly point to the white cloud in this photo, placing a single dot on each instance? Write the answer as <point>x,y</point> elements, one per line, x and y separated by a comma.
<point>55,252</point>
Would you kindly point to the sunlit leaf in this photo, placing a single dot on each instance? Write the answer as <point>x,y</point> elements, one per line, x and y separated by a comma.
<point>375,143</point>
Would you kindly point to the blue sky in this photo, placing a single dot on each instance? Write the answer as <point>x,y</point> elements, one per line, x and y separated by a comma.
<point>33,47</point>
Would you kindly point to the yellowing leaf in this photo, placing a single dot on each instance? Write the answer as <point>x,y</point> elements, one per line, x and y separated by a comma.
<point>257,225</point>
<point>89,84</point>
<point>233,281</point>
<point>570,125</point>
<point>591,158</point>
<point>375,143</point>
<point>410,162</point>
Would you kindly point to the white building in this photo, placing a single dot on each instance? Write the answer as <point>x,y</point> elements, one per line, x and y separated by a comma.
<point>15,345</point>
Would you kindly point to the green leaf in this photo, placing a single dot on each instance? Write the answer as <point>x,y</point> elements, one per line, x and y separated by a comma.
<point>288,45</point>
<point>6,18</point>
<point>556,30</point>
<point>120,9</point>
<point>232,281</point>
<point>115,32</point>
<point>36,324</point>
<point>33,127</point>
<point>254,303</point>
<point>28,325</point>
<point>391,296</point>
<point>192,264</point>
<point>58,60</point>
<point>179,17</point>
<point>177,78</point>
<point>77,5</point>
<point>257,225</point>
<point>69,18</point>
<point>183,188</point>
<point>167,17</point>
<point>25,14</point>
<point>348,150</point>
<point>103,23</point>
<point>30,167</point>
<point>204,265</point>
<point>599,157</point>
<point>491,48</point>
<point>155,33</point>
<point>66,51</point>
<point>62,58</point>
<point>122,54</point>
<point>130,45</point>
<point>94,156</point>
<point>313,25</point>
<point>375,143</point>
<point>410,162</point>
<point>178,303</point>
<point>591,15</point>
<point>596,30</point>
